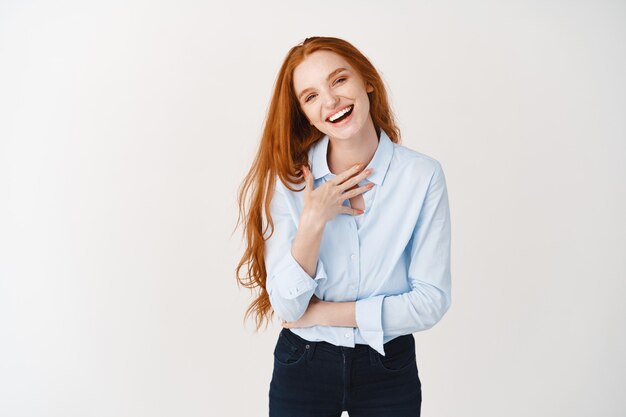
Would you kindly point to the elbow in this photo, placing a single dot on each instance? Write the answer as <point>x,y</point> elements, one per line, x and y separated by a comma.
<point>287,310</point>
<point>444,305</point>
<point>440,305</point>
<point>291,299</point>
<point>289,315</point>
<point>428,307</point>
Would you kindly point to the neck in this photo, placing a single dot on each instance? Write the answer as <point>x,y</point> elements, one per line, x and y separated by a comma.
<point>342,154</point>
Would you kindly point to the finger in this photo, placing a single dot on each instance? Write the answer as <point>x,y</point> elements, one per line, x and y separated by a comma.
<point>352,182</point>
<point>308,178</point>
<point>351,211</point>
<point>341,177</point>
<point>357,191</point>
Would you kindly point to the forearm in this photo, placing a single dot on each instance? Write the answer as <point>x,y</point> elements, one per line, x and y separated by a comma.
<point>341,314</point>
<point>305,247</point>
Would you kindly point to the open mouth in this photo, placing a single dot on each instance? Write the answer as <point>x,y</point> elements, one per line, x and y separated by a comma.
<point>343,114</point>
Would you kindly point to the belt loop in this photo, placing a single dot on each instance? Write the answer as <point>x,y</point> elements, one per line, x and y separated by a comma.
<point>373,354</point>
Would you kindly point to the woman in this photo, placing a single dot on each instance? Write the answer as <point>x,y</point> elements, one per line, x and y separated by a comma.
<point>355,260</point>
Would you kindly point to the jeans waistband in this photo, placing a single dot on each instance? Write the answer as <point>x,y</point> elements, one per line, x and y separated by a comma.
<point>329,347</point>
<point>299,341</point>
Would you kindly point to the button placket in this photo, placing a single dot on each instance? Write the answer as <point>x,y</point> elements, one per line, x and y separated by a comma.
<point>354,263</point>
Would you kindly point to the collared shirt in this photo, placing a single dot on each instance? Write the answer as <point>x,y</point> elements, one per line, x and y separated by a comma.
<point>394,261</point>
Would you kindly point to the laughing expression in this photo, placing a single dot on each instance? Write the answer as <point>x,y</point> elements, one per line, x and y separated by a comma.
<point>332,94</point>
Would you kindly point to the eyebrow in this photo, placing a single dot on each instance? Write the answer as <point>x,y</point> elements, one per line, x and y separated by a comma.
<point>332,74</point>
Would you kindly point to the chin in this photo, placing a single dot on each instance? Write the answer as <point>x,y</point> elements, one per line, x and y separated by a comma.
<point>343,133</point>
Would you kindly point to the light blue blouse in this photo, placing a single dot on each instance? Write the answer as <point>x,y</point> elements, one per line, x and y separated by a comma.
<point>394,261</point>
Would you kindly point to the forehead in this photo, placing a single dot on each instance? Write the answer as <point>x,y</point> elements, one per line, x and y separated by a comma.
<point>316,67</point>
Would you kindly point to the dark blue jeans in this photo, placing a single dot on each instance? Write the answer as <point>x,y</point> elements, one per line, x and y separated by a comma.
<point>322,380</point>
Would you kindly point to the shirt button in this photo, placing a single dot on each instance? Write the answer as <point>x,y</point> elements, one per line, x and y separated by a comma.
<point>353,256</point>
<point>347,335</point>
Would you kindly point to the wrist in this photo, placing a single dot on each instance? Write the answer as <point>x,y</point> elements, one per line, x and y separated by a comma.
<point>311,222</point>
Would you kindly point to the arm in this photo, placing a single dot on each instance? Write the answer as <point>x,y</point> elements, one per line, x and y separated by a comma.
<point>305,248</point>
<point>291,260</point>
<point>320,205</point>
<point>428,273</point>
<point>326,313</point>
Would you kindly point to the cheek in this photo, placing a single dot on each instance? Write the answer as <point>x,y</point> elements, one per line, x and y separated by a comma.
<point>365,104</point>
<point>311,115</point>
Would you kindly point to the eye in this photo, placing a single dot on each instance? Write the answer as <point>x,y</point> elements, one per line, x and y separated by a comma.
<point>341,79</point>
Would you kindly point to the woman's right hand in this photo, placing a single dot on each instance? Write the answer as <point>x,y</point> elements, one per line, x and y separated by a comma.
<point>326,201</point>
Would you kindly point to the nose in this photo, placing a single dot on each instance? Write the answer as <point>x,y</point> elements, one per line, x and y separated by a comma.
<point>331,100</point>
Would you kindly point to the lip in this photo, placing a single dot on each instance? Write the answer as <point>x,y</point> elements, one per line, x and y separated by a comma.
<point>344,121</point>
<point>335,111</point>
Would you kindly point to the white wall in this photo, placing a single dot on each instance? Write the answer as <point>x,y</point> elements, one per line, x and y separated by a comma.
<point>126,128</point>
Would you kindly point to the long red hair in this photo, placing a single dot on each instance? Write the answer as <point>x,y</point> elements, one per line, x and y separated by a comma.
<point>286,139</point>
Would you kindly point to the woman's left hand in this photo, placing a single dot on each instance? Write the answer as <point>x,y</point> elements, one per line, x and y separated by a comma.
<point>311,317</point>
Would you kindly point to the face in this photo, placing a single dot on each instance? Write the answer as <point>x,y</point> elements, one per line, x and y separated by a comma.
<point>328,88</point>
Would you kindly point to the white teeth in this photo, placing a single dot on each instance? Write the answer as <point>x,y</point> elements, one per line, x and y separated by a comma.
<point>339,114</point>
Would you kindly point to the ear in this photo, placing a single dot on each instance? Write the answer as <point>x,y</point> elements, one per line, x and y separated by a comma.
<point>369,88</point>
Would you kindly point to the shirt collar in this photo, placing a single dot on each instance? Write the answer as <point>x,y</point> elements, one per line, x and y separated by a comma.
<point>380,161</point>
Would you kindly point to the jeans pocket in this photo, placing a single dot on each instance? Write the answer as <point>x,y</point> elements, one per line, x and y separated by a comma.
<point>288,352</point>
<point>399,354</point>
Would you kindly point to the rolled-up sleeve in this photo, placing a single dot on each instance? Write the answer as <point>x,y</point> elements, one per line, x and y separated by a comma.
<point>289,286</point>
<point>428,274</point>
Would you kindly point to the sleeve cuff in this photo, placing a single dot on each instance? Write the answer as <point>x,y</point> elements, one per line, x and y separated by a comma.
<point>296,281</point>
<point>368,312</point>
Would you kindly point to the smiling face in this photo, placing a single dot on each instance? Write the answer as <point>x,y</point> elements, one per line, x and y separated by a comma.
<point>332,95</point>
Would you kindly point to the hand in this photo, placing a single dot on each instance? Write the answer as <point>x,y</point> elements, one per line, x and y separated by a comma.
<point>311,316</point>
<point>325,201</point>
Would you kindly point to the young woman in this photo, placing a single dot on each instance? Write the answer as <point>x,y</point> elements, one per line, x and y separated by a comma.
<point>348,239</point>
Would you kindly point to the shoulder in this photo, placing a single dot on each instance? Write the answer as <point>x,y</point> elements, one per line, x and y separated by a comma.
<point>283,188</point>
<point>283,195</point>
<point>410,161</point>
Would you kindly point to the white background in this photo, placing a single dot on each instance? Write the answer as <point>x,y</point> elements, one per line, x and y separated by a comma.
<point>127,127</point>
